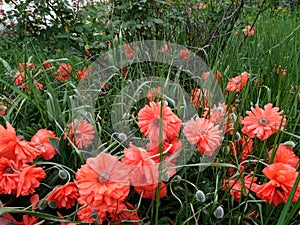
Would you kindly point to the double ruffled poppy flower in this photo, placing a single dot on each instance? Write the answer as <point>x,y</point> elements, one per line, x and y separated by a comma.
<point>152,116</point>
<point>204,133</point>
<point>262,123</point>
<point>282,179</point>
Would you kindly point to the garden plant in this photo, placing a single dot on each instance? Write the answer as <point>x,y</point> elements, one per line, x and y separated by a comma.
<point>150,112</point>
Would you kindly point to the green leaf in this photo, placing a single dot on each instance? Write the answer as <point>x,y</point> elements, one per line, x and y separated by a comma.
<point>158,21</point>
<point>55,144</point>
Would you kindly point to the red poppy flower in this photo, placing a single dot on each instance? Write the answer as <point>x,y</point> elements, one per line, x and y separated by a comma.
<point>82,74</point>
<point>3,108</point>
<point>9,176</point>
<point>7,219</point>
<point>204,133</point>
<point>126,215</point>
<point>239,189</point>
<point>63,72</point>
<point>144,171</point>
<point>89,215</point>
<point>262,123</point>
<point>14,147</point>
<point>238,82</point>
<point>166,49</point>
<point>47,64</point>
<point>184,54</point>
<point>64,196</point>
<point>64,223</point>
<point>19,78</point>
<point>218,75</point>
<point>103,181</point>
<point>243,147</point>
<point>34,201</point>
<point>169,147</point>
<point>282,179</point>
<point>151,191</point>
<point>248,31</point>
<point>201,97</point>
<point>216,114</point>
<point>154,94</point>
<point>27,220</point>
<point>26,66</point>
<point>130,53</point>
<point>286,155</point>
<point>205,75</point>
<point>81,133</point>
<point>41,142</point>
<point>29,179</point>
<point>150,120</point>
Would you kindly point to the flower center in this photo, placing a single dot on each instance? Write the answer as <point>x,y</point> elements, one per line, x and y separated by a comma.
<point>156,122</point>
<point>9,170</point>
<point>203,132</point>
<point>103,177</point>
<point>39,147</point>
<point>263,120</point>
<point>78,134</point>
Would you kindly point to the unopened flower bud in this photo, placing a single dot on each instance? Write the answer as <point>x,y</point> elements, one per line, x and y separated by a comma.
<point>219,212</point>
<point>122,136</point>
<point>42,204</point>
<point>200,196</point>
<point>237,136</point>
<point>290,144</point>
<point>63,174</point>
<point>52,204</point>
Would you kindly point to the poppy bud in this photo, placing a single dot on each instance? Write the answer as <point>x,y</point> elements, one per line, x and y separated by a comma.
<point>200,196</point>
<point>42,204</point>
<point>219,212</point>
<point>52,204</point>
<point>63,174</point>
<point>290,144</point>
<point>122,136</point>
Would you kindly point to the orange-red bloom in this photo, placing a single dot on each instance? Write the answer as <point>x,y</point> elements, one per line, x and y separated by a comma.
<point>286,155</point>
<point>63,72</point>
<point>144,171</point>
<point>184,54</point>
<point>201,97</point>
<point>130,52</point>
<point>89,215</point>
<point>19,78</point>
<point>282,179</point>
<point>82,133</point>
<point>14,147</point>
<point>238,82</point>
<point>150,120</point>
<point>27,220</point>
<point>262,123</point>
<point>9,176</point>
<point>155,94</point>
<point>204,133</point>
<point>248,31</point>
<point>41,142</point>
<point>243,147</point>
<point>64,196</point>
<point>26,66</point>
<point>216,114</point>
<point>127,215</point>
<point>29,179</point>
<point>151,191</point>
<point>240,189</point>
<point>103,181</point>
<point>3,108</point>
<point>82,74</point>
